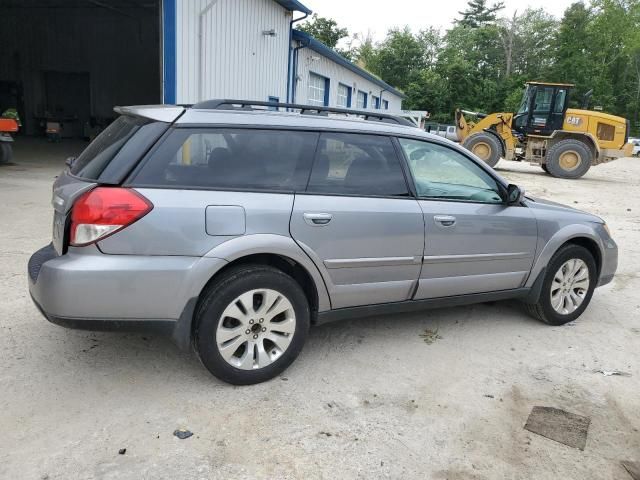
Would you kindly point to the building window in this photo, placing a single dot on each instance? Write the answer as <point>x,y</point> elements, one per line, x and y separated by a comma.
<point>361,101</point>
<point>318,90</point>
<point>376,102</point>
<point>344,96</point>
<point>385,104</point>
<point>274,100</point>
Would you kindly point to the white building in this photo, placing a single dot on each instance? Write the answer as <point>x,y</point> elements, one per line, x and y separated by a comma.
<point>248,49</point>
<point>72,61</point>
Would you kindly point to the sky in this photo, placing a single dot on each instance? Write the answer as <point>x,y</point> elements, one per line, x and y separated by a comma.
<point>377,16</point>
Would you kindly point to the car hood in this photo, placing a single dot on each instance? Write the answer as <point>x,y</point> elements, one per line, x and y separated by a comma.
<point>542,204</point>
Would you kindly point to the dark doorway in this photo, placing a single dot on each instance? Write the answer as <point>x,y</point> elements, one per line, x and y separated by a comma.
<point>67,101</point>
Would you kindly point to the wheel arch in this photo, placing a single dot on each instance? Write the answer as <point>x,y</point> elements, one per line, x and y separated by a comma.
<point>584,137</point>
<point>501,141</point>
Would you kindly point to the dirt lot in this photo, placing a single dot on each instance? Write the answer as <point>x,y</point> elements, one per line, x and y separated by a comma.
<point>368,398</point>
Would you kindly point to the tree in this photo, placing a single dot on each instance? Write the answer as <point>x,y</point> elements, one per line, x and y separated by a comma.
<point>478,14</point>
<point>324,29</point>
<point>398,58</point>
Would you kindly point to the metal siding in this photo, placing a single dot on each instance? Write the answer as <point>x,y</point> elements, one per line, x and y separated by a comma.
<point>308,60</point>
<point>238,61</point>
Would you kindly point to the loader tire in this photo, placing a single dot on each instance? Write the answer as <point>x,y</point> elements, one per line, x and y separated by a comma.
<point>569,158</point>
<point>484,146</point>
<point>5,152</point>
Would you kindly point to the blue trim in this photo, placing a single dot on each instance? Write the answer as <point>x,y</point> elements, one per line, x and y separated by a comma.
<point>385,104</point>
<point>169,50</point>
<point>376,102</point>
<point>325,51</point>
<point>327,85</point>
<point>294,5</point>
<point>274,100</point>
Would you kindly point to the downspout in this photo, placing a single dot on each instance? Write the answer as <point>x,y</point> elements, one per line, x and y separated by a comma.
<point>380,98</point>
<point>293,20</point>
<point>294,80</point>
<point>201,49</point>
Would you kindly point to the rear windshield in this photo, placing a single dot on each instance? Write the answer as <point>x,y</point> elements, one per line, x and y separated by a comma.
<point>95,158</point>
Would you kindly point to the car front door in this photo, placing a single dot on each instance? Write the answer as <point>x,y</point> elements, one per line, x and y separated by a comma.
<point>474,242</point>
<point>358,222</point>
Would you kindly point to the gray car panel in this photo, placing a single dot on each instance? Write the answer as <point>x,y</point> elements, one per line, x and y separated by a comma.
<point>362,243</point>
<point>497,243</point>
<point>177,225</point>
<point>84,283</point>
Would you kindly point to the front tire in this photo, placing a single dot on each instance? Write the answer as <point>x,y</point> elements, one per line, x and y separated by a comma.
<point>569,158</point>
<point>251,324</point>
<point>567,287</point>
<point>485,146</point>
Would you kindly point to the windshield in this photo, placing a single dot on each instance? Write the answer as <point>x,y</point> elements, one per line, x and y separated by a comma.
<point>526,100</point>
<point>95,158</point>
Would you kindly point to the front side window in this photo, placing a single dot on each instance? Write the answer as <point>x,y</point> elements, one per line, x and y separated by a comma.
<point>442,173</point>
<point>317,90</point>
<point>354,164</point>
<point>232,159</point>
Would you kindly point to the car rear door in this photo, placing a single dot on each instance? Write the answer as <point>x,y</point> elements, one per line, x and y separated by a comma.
<point>358,222</point>
<point>474,242</point>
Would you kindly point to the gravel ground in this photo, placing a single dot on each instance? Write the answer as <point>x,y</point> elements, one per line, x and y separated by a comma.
<point>369,398</point>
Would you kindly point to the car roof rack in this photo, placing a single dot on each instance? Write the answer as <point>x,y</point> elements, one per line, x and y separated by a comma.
<point>230,104</point>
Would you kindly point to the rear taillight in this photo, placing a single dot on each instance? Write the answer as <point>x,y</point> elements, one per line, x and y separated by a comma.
<point>103,211</point>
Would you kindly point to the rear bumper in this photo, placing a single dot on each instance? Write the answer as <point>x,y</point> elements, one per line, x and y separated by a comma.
<point>85,289</point>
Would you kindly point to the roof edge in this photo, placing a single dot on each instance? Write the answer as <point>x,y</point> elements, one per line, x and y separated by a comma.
<point>319,47</point>
<point>294,5</point>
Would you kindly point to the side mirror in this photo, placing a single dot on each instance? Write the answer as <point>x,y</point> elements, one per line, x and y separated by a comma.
<point>69,161</point>
<point>515,194</point>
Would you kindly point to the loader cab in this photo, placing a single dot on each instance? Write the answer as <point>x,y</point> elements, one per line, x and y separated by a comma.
<point>542,109</point>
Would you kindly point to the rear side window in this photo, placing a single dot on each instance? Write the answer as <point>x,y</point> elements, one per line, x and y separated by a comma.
<point>96,157</point>
<point>354,164</point>
<point>231,159</point>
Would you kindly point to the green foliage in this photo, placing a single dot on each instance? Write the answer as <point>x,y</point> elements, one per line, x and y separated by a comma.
<point>478,14</point>
<point>324,29</point>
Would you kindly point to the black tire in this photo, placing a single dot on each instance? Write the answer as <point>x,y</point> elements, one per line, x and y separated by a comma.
<point>485,146</point>
<point>545,168</point>
<point>543,310</point>
<point>221,294</point>
<point>6,152</point>
<point>561,156</point>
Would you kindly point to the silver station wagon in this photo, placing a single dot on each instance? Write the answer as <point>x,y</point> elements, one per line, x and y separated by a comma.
<point>234,226</point>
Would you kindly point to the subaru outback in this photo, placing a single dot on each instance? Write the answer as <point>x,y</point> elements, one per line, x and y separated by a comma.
<point>233,226</point>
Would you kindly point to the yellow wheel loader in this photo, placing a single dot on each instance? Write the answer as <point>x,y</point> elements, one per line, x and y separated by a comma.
<point>564,141</point>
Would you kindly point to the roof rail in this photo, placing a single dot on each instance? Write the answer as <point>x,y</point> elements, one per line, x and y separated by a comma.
<point>229,104</point>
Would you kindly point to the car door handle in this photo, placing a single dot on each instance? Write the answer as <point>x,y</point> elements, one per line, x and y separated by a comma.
<point>317,219</point>
<point>445,220</point>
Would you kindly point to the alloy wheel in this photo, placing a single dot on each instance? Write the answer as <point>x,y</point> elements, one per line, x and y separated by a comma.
<point>255,329</point>
<point>569,286</point>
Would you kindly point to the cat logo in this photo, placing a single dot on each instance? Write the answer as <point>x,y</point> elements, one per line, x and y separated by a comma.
<point>571,120</point>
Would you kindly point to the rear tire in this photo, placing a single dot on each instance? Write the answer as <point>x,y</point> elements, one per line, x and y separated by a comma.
<point>6,152</point>
<point>485,146</point>
<point>545,168</point>
<point>555,307</point>
<point>569,158</point>
<point>239,336</point>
